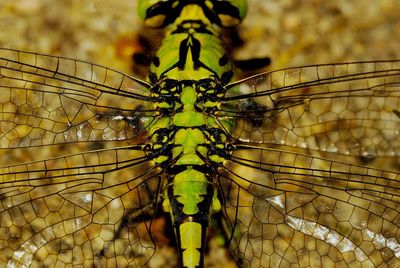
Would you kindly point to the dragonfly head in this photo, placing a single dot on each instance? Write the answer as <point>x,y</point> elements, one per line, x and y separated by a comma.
<point>158,14</point>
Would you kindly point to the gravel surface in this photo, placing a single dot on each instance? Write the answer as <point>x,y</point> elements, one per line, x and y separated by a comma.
<point>291,32</point>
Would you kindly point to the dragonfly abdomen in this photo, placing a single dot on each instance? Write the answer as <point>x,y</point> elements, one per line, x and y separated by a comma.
<point>189,199</point>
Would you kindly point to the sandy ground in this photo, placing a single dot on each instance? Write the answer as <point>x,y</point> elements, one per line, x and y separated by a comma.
<point>290,32</point>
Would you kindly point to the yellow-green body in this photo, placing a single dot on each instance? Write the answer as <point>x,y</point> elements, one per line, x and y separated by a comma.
<point>190,66</point>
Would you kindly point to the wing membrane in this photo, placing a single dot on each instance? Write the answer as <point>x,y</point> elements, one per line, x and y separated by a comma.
<point>48,100</point>
<point>280,205</point>
<point>346,108</point>
<point>89,207</point>
<point>83,207</point>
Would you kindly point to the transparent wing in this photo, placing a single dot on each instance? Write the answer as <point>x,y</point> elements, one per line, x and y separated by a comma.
<point>284,208</point>
<point>80,209</point>
<point>302,186</point>
<point>48,100</point>
<point>349,108</point>
<point>91,202</point>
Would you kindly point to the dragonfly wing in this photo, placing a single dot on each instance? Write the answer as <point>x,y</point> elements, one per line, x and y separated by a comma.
<point>349,108</point>
<point>284,208</point>
<point>47,100</point>
<point>86,208</point>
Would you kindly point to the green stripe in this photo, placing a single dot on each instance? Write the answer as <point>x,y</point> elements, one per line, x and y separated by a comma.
<point>190,236</point>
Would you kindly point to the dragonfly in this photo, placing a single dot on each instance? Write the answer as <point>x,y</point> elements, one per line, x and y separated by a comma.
<point>291,163</point>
